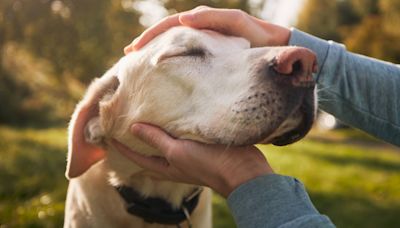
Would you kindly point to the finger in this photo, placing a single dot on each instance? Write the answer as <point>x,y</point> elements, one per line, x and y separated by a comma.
<point>153,31</point>
<point>153,163</point>
<point>128,48</point>
<point>226,20</point>
<point>201,7</point>
<point>154,137</point>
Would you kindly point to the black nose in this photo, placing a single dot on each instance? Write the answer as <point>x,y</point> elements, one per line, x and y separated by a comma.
<point>296,65</point>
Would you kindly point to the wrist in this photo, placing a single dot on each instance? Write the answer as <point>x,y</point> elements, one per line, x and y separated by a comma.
<point>233,180</point>
<point>279,36</point>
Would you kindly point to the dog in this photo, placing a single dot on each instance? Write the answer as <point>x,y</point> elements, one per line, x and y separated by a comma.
<point>195,84</point>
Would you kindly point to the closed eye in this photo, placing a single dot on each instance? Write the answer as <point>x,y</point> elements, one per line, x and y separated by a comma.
<point>198,52</point>
<point>191,52</point>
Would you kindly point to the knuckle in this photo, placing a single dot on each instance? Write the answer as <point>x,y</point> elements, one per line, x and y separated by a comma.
<point>201,7</point>
<point>153,140</point>
<point>239,16</point>
<point>240,19</point>
<point>238,13</point>
<point>171,151</point>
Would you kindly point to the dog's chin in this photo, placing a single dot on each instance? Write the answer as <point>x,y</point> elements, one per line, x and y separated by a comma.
<point>300,123</point>
<point>291,130</point>
<point>307,110</point>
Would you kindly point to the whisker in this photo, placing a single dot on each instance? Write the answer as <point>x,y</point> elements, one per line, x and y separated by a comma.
<point>234,127</point>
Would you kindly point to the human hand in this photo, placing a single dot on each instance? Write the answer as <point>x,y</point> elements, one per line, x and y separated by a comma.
<point>216,166</point>
<point>227,21</point>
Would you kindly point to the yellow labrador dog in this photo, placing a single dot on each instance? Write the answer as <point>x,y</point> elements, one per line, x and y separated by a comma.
<point>195,84</point>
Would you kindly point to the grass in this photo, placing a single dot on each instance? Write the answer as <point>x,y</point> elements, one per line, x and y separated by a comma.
<point>33,187</point>
<point>352,178</point>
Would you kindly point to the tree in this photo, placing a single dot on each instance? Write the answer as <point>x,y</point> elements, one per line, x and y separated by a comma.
<point>73,40</point>
<point>320,18</point>
<point>369,27</point>
<point>182,5</point>
<point>51,49</point>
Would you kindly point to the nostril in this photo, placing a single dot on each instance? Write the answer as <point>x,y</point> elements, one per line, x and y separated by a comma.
<point>293,67</point>
<point>295,61</point>
<point>297,68</point>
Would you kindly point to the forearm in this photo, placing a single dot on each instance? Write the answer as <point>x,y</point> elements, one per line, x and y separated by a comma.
<point>358,90</point>
<point>274,201</point>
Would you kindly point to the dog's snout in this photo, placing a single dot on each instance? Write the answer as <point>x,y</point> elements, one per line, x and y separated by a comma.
<point>296,64</point>
<point>295,60</point>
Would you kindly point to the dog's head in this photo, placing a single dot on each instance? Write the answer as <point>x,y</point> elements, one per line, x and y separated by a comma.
<point>197,85</point>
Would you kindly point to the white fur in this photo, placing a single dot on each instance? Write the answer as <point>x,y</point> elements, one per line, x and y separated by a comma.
<point>191,97</point>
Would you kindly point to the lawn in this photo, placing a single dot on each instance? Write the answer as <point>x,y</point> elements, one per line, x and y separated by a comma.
<point>353,179</point>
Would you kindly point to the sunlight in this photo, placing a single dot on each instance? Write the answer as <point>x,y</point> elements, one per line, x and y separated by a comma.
<point>282,12</point>
<point>152,11</point>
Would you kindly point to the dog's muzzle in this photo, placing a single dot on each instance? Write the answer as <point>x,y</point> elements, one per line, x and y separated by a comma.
<point>294,67</point>
<point>307,109</point>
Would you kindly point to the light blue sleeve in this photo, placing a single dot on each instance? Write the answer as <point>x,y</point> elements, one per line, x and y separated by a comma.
<point>274,201</point>
<point>360,91</point>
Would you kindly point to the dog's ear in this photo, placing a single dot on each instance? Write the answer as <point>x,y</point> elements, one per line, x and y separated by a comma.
<point>82,154</point>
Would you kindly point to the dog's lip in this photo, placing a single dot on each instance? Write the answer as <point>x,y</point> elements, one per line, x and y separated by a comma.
<point>307,108</point>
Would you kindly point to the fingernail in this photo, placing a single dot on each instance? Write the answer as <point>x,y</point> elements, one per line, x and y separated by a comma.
<point>135,41</point>
<point>127,49</point>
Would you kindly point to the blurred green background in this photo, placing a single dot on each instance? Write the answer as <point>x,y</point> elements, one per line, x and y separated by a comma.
<point>50,50</point>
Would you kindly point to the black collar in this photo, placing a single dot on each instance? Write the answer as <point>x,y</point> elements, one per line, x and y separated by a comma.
<point>157,210</point>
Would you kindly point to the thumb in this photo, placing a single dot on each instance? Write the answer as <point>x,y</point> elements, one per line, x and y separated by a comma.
<point>153,163</point>
<point>153,136</point>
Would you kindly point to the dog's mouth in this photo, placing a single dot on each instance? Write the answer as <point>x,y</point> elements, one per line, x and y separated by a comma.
<point>307,109</point>
<point>293,123</point>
